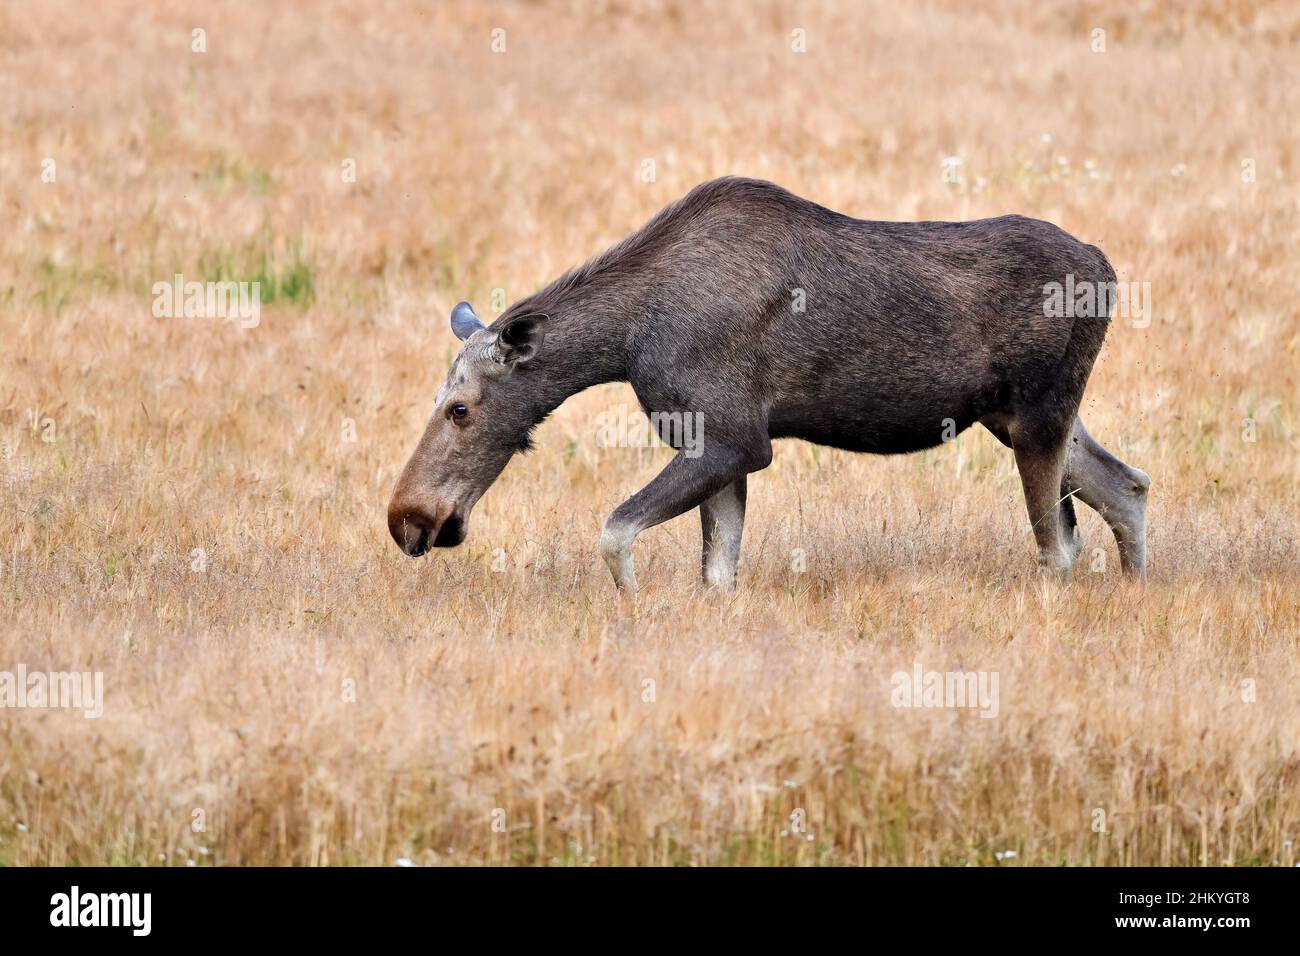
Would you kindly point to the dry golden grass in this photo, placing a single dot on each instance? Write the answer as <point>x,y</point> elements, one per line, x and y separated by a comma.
<point>522,691</point>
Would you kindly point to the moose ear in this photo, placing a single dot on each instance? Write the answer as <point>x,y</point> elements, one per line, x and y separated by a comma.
<point>520,338</point>
<point>463,321</point>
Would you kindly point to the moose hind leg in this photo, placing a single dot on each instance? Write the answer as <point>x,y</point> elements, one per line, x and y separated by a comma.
<point>722,520</point>
<point>1042,469</point>
<point>1115,491</point>
<point>1069,524</point>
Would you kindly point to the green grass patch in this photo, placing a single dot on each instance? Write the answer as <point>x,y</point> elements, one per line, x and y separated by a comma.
<point>57,282</point>
<point>289,277</point>
<point>227,173</point>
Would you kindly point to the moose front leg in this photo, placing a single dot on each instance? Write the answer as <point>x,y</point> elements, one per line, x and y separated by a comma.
<point>684,484</point>
<point>722,520</point>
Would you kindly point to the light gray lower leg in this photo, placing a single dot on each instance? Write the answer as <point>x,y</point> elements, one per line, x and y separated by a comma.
<point>1115,491</point>
<point>616,549</point>
<point>722,520</point>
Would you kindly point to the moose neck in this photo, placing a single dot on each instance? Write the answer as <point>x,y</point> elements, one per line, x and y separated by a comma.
<point>584,346</point>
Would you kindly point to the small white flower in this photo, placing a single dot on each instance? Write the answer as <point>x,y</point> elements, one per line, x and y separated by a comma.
<point>1005,854</point>
<point>1047,137</point>
<point>790,784</point>
<point>1178,170</point>
<point>403,861</point>
<point>22,828</point>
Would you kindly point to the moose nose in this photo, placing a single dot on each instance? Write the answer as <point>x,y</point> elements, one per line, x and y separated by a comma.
<point>412,529</point>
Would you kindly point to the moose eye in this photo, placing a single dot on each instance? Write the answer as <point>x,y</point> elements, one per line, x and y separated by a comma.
<point>459,412</point>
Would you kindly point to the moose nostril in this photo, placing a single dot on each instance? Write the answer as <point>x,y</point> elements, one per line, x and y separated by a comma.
<point>412,530</point>
<point>450,534</point>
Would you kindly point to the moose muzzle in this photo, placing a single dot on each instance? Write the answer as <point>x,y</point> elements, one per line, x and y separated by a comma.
<point>416,530</point>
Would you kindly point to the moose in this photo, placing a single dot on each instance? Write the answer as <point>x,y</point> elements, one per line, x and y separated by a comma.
<point>776,317</point>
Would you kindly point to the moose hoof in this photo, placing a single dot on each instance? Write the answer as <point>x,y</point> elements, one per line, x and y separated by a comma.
<point>1056,566</point>
<point>712,588</point>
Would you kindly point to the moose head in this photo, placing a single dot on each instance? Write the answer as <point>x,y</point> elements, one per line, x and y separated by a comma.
<point>483,415</point>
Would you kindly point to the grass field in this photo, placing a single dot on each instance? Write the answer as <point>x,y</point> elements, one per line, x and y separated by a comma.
<point>197,510</point>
